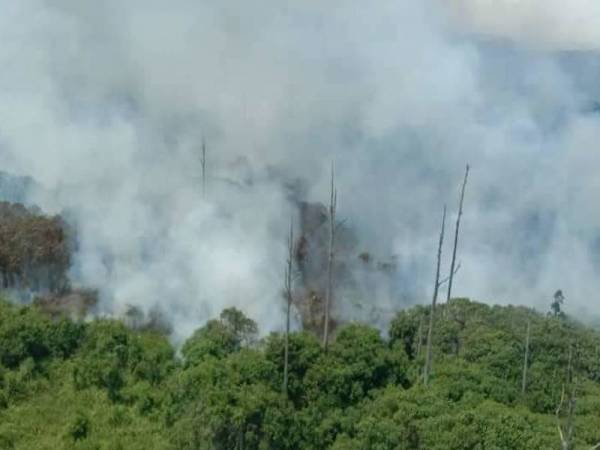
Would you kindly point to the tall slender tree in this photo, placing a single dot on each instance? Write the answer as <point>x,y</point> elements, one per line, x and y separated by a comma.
<point>566,407</point>
<point>460,212</point>
<point>289,300</point>
<point>330,258</point>
<point>436,288</point>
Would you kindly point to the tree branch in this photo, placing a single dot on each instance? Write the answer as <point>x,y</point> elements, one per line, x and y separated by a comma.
<point>331,257</point>
<point>445,280</point>
<point>456,233</point>
<point>436,288</point>
<point>289,300</point>
<point>557,414</point>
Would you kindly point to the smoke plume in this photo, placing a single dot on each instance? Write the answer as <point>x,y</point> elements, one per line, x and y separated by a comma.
<point>550,24</point>
<point>105,105</point>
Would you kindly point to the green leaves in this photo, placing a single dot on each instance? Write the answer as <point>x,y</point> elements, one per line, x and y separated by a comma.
<point>27,333</point>
<point>66,384</point>
<point>358,362</point>
<point>219,338</point>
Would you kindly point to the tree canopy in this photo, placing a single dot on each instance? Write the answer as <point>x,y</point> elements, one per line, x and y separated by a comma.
<point>103,385</point>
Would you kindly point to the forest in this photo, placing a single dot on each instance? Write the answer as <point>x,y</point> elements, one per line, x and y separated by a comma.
<point>452,375</point>
<point>299,225</point>
<point>502,377</point>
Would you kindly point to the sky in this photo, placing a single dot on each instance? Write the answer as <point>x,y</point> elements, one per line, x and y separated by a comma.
<point>105,104</point>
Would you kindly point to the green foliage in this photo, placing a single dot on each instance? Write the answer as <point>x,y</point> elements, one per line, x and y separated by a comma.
<point>113,355</point>
<point>304,352</point>
<point>407,327</point>
<point>101,385</point>
<point>358,362</point>
<point>243,328</point>
<point>219,338</point>
<point>26,333</point>
<point>79,427</point>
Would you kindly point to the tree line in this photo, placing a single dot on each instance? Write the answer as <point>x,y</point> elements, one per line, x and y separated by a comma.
<point>100,384</point>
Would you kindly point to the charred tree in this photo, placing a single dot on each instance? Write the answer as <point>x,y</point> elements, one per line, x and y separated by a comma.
<point>436,288</point>
<point>35,250</point>
<point>456,233</point>
<point>330,259</point>
<point>289,301</point>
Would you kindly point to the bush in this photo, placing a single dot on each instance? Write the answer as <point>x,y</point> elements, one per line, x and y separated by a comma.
<point>79,427</point>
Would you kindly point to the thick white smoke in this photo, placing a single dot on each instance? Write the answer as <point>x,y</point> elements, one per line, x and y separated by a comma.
<point>550,24</point>
<point>106,104</point>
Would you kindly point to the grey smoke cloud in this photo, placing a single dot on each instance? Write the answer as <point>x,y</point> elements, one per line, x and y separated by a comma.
<point>105,105</point>
<point>550,24</point>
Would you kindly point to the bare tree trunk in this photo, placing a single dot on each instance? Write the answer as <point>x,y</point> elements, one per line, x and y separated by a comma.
<point>330,259</point>
<point>436,289</point>
<point>566,430</point>
<point>460,212</point>
<point>526,361</point>
<point>289,298</point>
<point>203,167</point>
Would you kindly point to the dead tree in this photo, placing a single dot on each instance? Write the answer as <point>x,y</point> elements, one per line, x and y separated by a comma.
<point>436,289</point>
<point>330,258</point>
<point>460,212</point>
<point>566,406</point>
<point>289,300</point>
<point>566,429</point>
<point>526,360</point>
<point>203,162</point>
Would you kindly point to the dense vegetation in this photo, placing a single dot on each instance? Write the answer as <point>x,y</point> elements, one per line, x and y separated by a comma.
<point>101,385</point>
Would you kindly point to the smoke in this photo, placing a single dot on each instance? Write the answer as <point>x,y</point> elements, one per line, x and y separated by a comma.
<point>550,24</point>
<point>105,104</point>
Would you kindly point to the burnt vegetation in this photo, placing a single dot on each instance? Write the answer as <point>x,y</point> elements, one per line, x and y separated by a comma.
<point>35,257</point>
<point>35,250</point>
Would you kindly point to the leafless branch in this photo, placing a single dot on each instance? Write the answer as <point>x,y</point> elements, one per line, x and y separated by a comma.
<point>568,395</point>
<point>445,280</point>
<point>557,414</point>
<point>331,256</point>
<point>460,212</point>
<point>436,289</point>
<point>290,300</point>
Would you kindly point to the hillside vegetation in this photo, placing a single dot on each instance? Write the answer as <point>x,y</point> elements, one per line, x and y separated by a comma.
<point>101,385</point>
